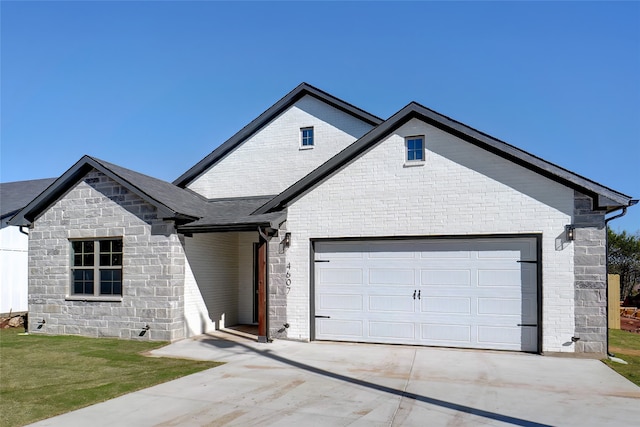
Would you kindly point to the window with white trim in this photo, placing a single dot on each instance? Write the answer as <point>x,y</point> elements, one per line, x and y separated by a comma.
<point>414,148</point>
<point>306,137</point>
<point>96,267</point>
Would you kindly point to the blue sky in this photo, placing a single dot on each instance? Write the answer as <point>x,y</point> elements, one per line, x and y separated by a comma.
<point>156,86</point>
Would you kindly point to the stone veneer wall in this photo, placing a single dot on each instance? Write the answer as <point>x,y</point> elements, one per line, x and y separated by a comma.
<point>278,285</point>
<point>153,266</point>
<point>590,269</point>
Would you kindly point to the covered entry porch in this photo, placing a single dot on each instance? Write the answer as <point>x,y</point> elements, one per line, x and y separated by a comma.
<point>226,276</point>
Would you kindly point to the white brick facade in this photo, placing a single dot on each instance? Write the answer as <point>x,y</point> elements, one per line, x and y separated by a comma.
<point>218,281</point>
<point>271,160</point>
<point>460,190</point>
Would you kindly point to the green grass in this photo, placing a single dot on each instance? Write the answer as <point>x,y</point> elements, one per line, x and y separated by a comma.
<point>42,376</point>
<point>626,346</point>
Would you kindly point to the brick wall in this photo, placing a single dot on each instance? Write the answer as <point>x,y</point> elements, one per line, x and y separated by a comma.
<point>271,160</point>
<point>213,269</point>
<point>460,190</point>
<point>153,266</point>
<point>590,275</point>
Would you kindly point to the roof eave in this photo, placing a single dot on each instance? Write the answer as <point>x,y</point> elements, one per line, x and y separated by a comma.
<point>217,228</point>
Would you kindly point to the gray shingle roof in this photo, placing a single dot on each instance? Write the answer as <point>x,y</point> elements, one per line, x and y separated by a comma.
<point>178,200</point>
<point>16,195</point>
<point>234,214</point>
<point>171,201</point>
<point>191,210</point>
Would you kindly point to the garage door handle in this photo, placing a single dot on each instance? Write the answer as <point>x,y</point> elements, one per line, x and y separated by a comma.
<point>527,324</point>
<point>414,294</point>
<point>418,294</point>
<point>323,317</point>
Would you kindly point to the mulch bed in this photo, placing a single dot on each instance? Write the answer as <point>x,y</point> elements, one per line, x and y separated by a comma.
<point>631,324</point>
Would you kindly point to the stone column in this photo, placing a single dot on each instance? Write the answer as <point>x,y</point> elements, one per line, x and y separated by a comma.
<point>590,269</point>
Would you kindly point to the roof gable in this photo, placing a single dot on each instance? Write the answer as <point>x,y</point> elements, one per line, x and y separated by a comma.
<point>171,201</point>
<point>276,109</point>
<point>604,197</point>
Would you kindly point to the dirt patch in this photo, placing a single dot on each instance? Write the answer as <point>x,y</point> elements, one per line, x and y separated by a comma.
<point>628,351</point>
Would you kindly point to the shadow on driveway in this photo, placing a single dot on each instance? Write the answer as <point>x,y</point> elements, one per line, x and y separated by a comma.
<point>221,343</point>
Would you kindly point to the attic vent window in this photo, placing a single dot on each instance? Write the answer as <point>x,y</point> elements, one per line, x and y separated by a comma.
<point>306,137</point>
<point>415,149</point>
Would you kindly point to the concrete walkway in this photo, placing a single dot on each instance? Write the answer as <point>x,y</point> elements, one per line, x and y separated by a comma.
<point>288,383</point>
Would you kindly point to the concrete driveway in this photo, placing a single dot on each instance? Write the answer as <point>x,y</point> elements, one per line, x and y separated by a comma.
<point>288,383</point>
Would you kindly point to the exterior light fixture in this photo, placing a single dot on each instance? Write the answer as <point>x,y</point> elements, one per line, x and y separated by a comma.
<point>570,232</point>
<point>287,240</point>
<point>144,330</point>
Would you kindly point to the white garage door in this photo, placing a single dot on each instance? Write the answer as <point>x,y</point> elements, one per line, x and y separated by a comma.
<point>475,293</point>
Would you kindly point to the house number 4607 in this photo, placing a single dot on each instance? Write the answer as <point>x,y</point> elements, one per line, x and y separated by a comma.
<point>287,281</point>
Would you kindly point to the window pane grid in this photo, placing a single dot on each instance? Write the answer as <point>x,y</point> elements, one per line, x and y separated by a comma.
<point>307,137</point>
<point>415,149</point>
<point>83,281</point>
<point>96,267</point>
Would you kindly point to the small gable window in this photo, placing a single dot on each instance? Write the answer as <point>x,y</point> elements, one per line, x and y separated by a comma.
<point>96,267</point>
<point>306,137</point>
<point>415,148</point>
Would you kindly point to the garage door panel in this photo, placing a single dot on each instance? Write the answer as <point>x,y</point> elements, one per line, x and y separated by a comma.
<point>472,292</point>
<point>499,337</point>
<point>445,305</point>
<point>499,306</point>
<point>390,303</point>
<point>391,276</point>
<point>396,330</point>
<point>342,276</point>
<point>339,250</point>
<point>445,334</point>
<point>340,302</point>
<point>503,277</point>
<point>445,278</point>
<point>499,255</point>
<point>336,328</point>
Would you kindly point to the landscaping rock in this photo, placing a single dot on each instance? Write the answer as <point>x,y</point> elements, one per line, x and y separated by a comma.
<point>16,322</point>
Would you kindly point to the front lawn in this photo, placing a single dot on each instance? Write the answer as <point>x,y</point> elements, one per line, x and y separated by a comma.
<point>42,376</point>
<point>626,346</point>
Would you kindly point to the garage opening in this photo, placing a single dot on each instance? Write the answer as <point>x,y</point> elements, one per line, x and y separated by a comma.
<point>451,292</point>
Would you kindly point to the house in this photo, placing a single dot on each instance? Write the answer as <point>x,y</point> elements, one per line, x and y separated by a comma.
<point>320,221</point>
<point>14,244</point>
